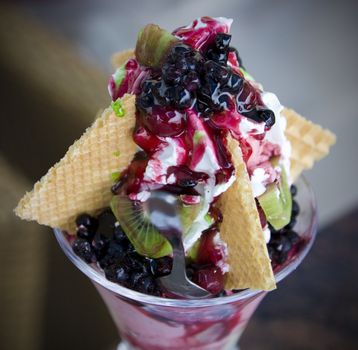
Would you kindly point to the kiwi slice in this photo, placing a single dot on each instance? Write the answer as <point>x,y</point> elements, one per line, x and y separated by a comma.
<point>145,238</point>
<point>276,202</point>
<point>152,46</point>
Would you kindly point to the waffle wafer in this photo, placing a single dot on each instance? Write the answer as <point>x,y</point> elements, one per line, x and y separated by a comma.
<point>81,180</point>
<point>309,141</point>
<point>250,265</point>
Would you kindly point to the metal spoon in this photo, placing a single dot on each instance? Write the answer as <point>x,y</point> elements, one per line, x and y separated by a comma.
<point>163,213</point>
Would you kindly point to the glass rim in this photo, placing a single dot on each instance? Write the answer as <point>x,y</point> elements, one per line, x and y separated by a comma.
<point>98,277</point>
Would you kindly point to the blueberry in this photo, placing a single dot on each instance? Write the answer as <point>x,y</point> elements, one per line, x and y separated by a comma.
<point>115,254</point>
<point>134,262</point>
<point>182,98</point>
<point>117,274</point>
<point>293,237</point>
<point>86,226</point>
<point>208,89</point>
<point>293,190</point>
<point>170,92</point>
<point>170,74</point>
<point>267,116</point>
<point>222,41</point>
<point>278,248</point>
<point>181,65</point>
<point>224,100</point>
<point>100,244</point>
<point>145,284</point>
<point>87,221</point>
<point>135,276</point>
<point>118,234</point>
<point>191,81</point>
<point>217,72</point>
<point>203,108</point>
<point>285,245</point>
<point>281,257</point>
<point>162,266</point>
<point>187,183</point>
<point>83,249</point>
<point>181,50</point>
<point>144,101</point>
<point>217,56</point>
<point>106,222</point>
<point>271,252</point>
<point>234,84</point>
<point>147,86</point>
<point>261,115</point>
<point>295,208</point>
<point>291,224</point>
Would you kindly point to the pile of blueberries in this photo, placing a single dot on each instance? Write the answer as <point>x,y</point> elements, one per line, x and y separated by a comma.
<point>101,240</point>
<point>203,80</point>
<point>283,240</point>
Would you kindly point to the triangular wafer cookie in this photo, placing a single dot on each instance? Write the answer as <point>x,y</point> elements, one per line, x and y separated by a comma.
<point>250,265</point>
<point>81,180</point>
<point>309,141</point>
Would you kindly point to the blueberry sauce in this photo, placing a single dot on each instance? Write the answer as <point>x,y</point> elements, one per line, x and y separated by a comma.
<point>199,89</point>
<point>185,108</point>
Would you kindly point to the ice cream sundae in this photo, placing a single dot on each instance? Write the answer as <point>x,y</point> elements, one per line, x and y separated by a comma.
<point>188,119</point>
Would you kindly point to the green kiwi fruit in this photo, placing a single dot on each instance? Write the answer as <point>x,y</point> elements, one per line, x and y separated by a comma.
<point>152,46</point>
<point>276,202</point>
<point>145,238</point>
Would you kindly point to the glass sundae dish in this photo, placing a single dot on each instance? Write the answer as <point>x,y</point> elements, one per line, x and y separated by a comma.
<point>187,120</point>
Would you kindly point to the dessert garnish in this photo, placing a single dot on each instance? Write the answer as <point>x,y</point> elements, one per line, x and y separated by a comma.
<point>187,119</point>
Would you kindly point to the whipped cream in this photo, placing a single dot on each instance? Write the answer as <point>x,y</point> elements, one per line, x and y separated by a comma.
<point>273,142</point>
<point>220,244</point>
<point>267,234</point>
<point>276,134</point>
<point>258,179</point>
<point>170,153</point>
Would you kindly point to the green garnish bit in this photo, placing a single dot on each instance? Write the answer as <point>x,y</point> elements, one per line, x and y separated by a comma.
<point>115,176</point>
<point>116,153</point>
<point>198,136</point>
<point>209,219</point>
<point>118,108</point>
<point>246,75</point>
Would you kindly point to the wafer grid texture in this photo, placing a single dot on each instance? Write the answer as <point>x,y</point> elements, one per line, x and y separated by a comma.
<point>250,265</point>
<point>309,141</point>
<point>81,180</point>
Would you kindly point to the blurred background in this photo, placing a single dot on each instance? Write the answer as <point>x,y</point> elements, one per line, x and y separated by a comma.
<point>54,66</point>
